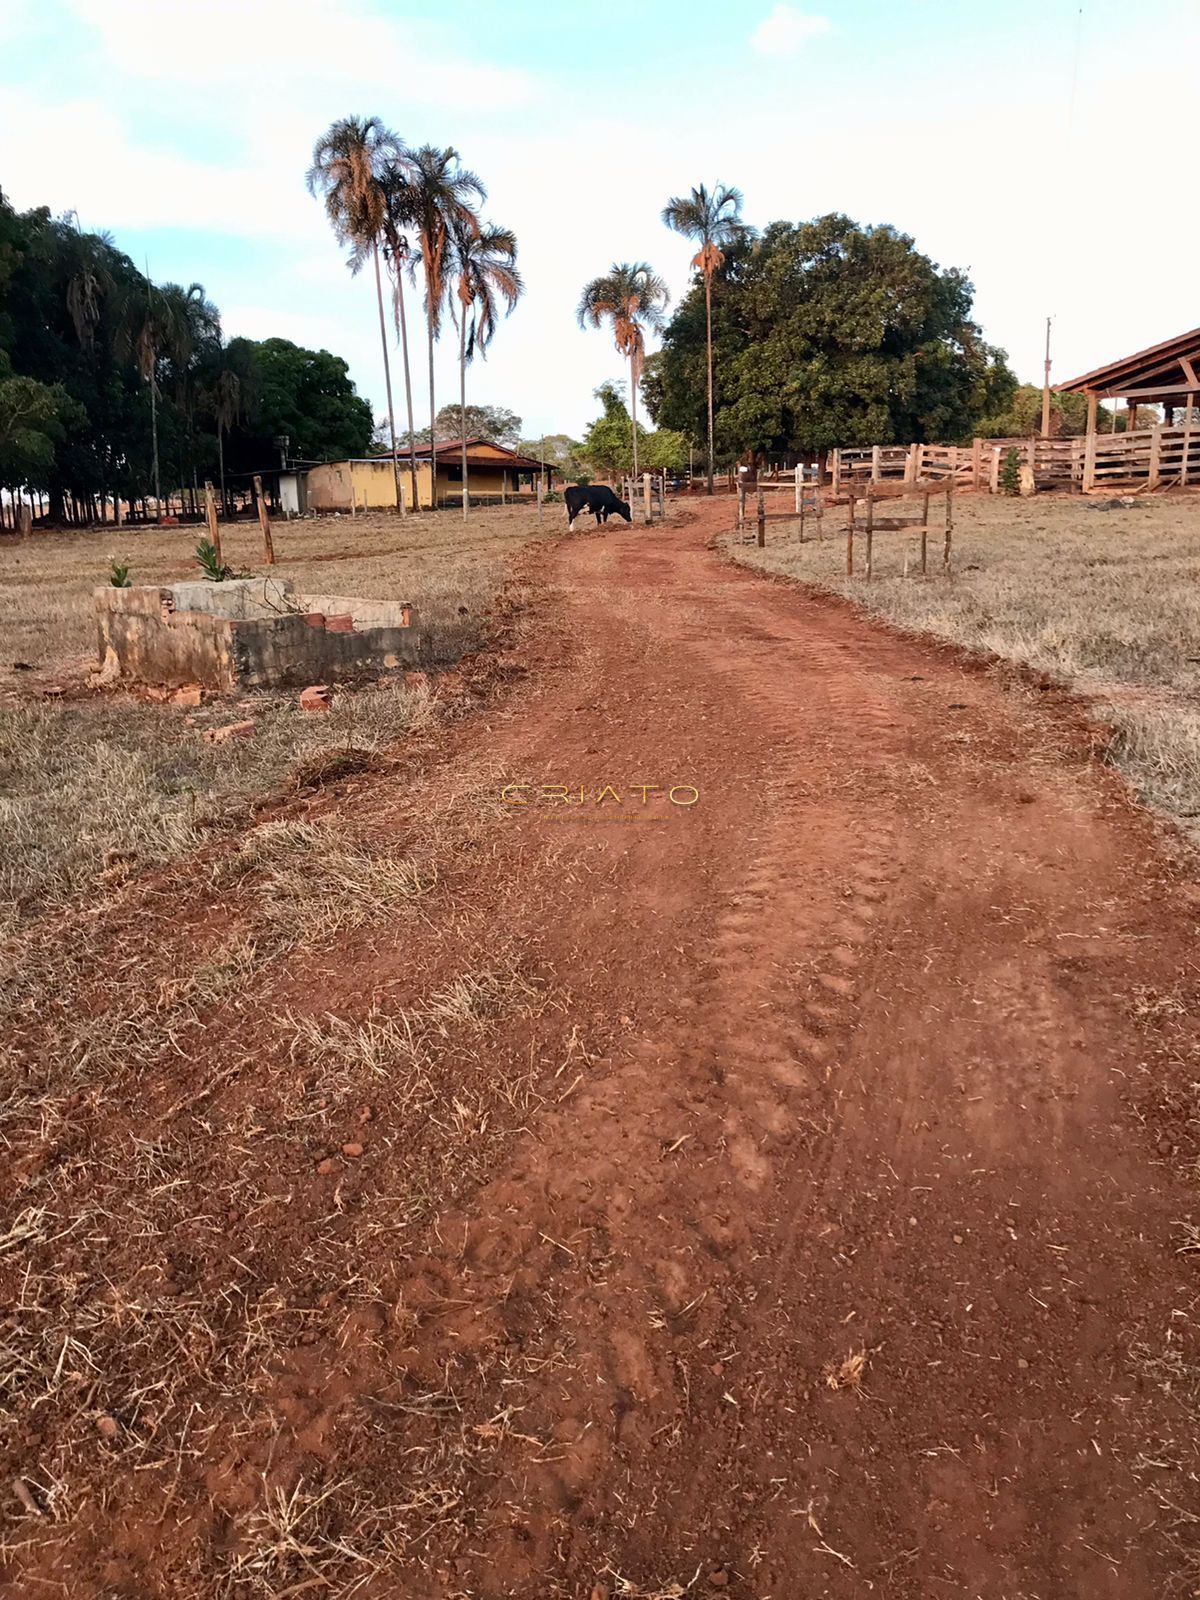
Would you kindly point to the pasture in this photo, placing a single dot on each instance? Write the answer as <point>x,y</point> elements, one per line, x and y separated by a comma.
<point>95,785</point>
<point>1105,600</point>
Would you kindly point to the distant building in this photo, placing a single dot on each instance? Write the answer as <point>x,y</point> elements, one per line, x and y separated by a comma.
<point>495,475</point>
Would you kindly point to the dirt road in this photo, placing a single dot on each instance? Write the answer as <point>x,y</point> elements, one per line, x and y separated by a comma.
<point>844,1255</point>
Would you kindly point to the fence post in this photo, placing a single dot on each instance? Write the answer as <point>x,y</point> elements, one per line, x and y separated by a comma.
<point>799,475</point>
<point>762,521</point>
<point>210,516</point>
<point>924,533</point>
<point>949,528</point>
<point>850,535</point>
<point>647,508</point>
<point>837,473</point>
<point>870,530</point>
<point>1155,456</point>
<point>994,471</point>
<point>977,464</point>
<point>1089,463</point>
<point>264,521</point>
<point>1187,439</point>
<point>741,504</point>
<point>876,473</point>
<point>912,467</point>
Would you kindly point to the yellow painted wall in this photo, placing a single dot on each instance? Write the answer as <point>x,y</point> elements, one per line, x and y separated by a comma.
<point>328,486</point>
<point>375,482</point>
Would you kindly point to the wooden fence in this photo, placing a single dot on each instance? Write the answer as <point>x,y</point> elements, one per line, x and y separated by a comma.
<point>1149,458</point>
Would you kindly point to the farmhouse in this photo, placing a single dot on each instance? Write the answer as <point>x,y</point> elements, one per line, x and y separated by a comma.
<point>1166,375</point>
<point>495,474</point>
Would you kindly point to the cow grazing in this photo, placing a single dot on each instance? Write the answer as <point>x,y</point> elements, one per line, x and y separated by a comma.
<point>596,498</point>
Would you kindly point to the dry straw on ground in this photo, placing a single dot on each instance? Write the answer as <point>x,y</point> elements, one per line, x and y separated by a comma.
<point>1104,598</point>
<point>94,789</point>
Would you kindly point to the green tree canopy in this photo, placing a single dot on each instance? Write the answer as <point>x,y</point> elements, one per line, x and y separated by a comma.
<point>829,333</point>
<point>1023,416</point>
<point>608,446</point>
<point>83,338</point>
<point>307,396</point>
<point>563,453</point>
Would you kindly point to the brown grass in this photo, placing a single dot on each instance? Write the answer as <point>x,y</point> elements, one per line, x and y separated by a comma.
<point>97,788</point>
<point>1106,601</point>
<point>437,562</point>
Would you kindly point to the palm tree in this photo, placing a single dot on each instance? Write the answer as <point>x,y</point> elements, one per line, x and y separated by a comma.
<point>155,327</point>
<point>398,217</point>
<point>485,267</point>
<point>712,220</point>
<point>194,336</point>
<point>444,198</point>
<point>348,165</point>
<point>632,298</point>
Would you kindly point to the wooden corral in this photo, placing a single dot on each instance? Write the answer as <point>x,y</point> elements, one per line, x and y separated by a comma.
<point>869,495</point>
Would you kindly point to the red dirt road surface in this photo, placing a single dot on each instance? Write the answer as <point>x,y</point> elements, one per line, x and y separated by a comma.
<point>840,1244</point>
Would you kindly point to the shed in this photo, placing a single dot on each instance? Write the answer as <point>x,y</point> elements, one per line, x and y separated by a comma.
<point>1167,375</point>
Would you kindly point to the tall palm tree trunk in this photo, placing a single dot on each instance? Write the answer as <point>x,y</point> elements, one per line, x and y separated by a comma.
<point>708,321</point>
<point>154,444</point>
<point>633,408</point>
<point>412,436</point>
<point>387,379</point>
<point>432,425</point>
<point>462,405</point>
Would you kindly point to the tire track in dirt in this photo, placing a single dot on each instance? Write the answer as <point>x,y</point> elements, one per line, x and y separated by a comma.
<point>823,1275</point>
<point>716,1190</point>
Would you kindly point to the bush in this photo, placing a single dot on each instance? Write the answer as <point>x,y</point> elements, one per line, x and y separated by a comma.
<point>1010,472</point>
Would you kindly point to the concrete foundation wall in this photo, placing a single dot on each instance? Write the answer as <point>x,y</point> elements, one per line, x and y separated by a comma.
<point>253,634</point>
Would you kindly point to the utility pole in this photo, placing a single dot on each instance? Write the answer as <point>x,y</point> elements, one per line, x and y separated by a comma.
<point>1046,387</point>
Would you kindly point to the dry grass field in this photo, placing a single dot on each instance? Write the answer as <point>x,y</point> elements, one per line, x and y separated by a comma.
<point>96,785</point>
<point>1106,600</point>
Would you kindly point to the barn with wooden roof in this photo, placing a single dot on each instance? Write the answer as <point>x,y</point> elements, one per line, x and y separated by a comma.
<point>1166,375</point>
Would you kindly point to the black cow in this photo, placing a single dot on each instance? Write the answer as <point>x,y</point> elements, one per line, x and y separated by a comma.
<point>597,498</point>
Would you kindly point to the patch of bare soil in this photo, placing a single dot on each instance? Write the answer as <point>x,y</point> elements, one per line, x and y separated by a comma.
<point>766,1182</point>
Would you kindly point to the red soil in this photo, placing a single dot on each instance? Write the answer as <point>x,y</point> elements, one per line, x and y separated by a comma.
<point>849,1264</point>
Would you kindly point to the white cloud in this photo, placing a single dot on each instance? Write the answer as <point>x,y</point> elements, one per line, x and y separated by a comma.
<point>278,53</point>
<point>786,31</point>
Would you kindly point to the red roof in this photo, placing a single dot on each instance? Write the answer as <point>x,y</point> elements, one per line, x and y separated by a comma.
<point>453,447</point>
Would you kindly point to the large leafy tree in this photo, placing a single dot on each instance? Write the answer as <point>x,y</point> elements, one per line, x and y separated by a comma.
<point>497,423</point>
<point>559,451</point>
<point>353,164</point>
<point>829,333</point>
<point>712,219</point>
<point>631,298</point>
<point>608,443</point>
<point>305,396</point>
<point>1022,415</point>
<point>485,280</point>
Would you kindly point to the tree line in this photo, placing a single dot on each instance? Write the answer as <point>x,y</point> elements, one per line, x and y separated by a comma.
<point>114,388</point>
<point>801,337</point>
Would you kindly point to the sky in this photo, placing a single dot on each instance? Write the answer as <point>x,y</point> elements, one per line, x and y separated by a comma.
<point>1038,144</point>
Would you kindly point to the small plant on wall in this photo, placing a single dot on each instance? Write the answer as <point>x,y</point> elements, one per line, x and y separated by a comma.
<point>210,562</point>
<point>1010,473</point>
<point>119,575</point>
